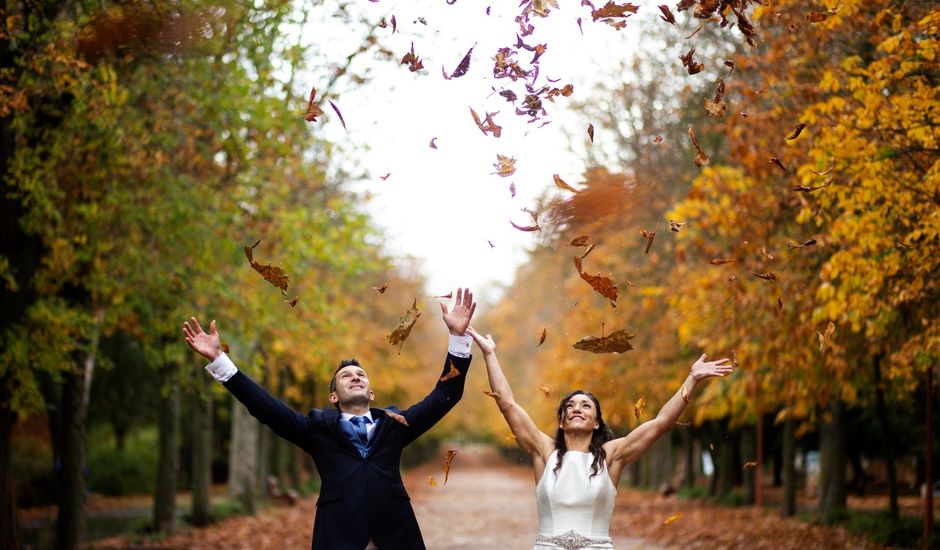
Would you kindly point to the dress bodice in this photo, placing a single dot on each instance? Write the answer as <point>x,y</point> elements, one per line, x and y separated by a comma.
<point>573,500</point>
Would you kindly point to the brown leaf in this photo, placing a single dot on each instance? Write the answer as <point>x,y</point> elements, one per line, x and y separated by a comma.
<point>410,59</point>
<point>313,108</point>
<point>590,131</point>
<point>826,173</point>
<point>810,242</point>
<point>385,177</point>
<point>505,166</point>
<point>493,394</point>
<point>750,465</point>
<point>396,417</point>
<point>405,324</point>
<point>462,68</point>
<point>339,114</point>
<point>716,107</point>
<point>690,64</point>
<point>604,286</point>
<point>447,461</point>
<point>489,242</point>
<point>734,359</point>
<point>667,15</point>
<point>701,159</point>
<point>588,251</point>
<point>274,275</point>
<point>639,406</point>
<point>454,372</point>
<point>825,339</point>
<point>487,125</point>
<point>611,12</point>
<point>381,289</point>
<point>816,16</point>
<point>746,28</point>
<point>672,518</point>
<point>527,228</point>
<point>580,241</point>
<point>769,276</point>
<point>293,302</point>
<point>776,162</point>
<point>447,296</point>
<point>796,131</point>
<point>779,303</point>
<point>561,183</point>
<point>649,236</point>
<point>617,342</point>
<point>730,64</point>
<point>675,226</point>
<point>224,347</point>
<point>765,254</point>
<point>433,145</point>
<point>658,139</point>
<point>394,25</point>
<point>542,337</point>
<point>811,188</point>
<point>720,261</point>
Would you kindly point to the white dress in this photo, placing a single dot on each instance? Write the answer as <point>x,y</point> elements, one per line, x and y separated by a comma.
<point>574,507</point>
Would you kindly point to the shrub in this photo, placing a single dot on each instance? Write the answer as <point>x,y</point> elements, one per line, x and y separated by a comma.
<point>127,472</point>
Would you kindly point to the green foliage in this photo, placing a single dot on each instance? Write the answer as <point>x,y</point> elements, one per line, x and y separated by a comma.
<point>881,528</point>
<point>129,472</point>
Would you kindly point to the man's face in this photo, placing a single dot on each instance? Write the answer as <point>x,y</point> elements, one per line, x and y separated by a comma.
<point>352,387</point>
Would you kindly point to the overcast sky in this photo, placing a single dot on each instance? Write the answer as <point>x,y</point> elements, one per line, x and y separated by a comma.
<point>443,205</point>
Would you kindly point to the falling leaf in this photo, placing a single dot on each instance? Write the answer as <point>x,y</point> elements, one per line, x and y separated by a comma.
<point>810,242</point>
<point>733,278</point>
<point>339,114</point>
<point>385,177</point>
<point>580,241</point>
<point>562,184</point>
<point>796,131</point>
<point>779,303</point>
<point>716,107</point>
<point>690,64</point>
<point>816,16</point>
<point>396,417</point>
<point>505,166</point>
<point>293,303</point>
<point>542,337</point>
<point>527,228</point>
<point>462,68</point>
<point>603,285</point>
<point>675,226</point>
<point>730,64</point>
<point>649,236</point>
<point>545,390</point>
<point>410,59</point>
<point>720,261</point>
<point>776,162</point>
<point>588,251</point>
<point>746,28</point>
<point>903,244</point>
<point>432,482</point>
<point>432,144</point>
<point>734,359</point>
<point>512,189</point>
<point>750,465</point>
<point>614,14</point>
<point>493,394</point>
<point>826,173</point>
<point>447,461</point>
<point>672,518</point>
<point>616,342</point>
<point>743,114</point>
<point>489,242</point>
<point>487,124</point>
<point>313,108</point>
<point>394,25</point>
<point>639,406</point>
<point>825,339</point>
<point>701,159</point>
<point>658,139</point>
<point>765,276</point>
<point>684,392</point>
<point>405,324</point>
<point>591,132</point>
<point>765,254</point>
<point>454,372</point>
<point>224,347</point>
<point>667,15</point>
<point>274,275</point>
<point>381,289</point>
<point>447,296</point>
<point>811,188</point>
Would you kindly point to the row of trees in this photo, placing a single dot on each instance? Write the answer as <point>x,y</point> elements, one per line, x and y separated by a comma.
<point>861,180</point>
<point>143,146</point>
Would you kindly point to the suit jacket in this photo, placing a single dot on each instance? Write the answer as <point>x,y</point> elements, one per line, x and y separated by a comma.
<point>361,498</point>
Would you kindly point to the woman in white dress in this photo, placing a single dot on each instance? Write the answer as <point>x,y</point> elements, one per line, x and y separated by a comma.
<point>577,471</point>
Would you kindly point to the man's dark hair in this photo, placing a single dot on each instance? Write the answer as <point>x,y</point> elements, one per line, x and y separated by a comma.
<point>342,364</point>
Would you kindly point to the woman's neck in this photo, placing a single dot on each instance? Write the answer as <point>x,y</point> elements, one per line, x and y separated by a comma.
<point>578,441</point>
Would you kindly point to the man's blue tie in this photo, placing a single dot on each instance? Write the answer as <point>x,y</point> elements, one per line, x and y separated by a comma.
<point>360,424</point>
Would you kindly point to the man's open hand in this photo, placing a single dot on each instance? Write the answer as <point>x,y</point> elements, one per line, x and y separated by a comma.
<point>458,318</point>
<point>206,344</point>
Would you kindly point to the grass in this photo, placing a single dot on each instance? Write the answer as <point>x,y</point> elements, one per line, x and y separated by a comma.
<point>881,528</point>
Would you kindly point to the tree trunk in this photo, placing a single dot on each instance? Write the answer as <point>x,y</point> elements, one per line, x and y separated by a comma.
<point>788,508</point>
<point>887,438</point>
<point>164,499</point>
<point>832,488</point>
<point>928,503</point>
<point>689,451</point>
<point>202,451</point>
<point>726,463</point>
<point>9,532</point>
<point>749,452</point>
<point>243,458</point>
<point>70,527</point>
<point>264,467</point>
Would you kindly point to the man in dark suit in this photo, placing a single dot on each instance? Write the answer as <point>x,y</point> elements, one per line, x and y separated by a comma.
<point>357,449</point>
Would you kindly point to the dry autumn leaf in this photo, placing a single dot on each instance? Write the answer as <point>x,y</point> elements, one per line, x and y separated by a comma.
<point>447,296</point>
<point>672,518</point>
<point>224,347</point>
<point>512,190</point>
<point>816,16</point>
<point>825,339</point>
<point>454,372</point>
<point>730,64</point>
<point>487,124</point>
<point>734,359</point>
<point>604,286</point>
<point>293,302</point>
<point>796,131</point>
<point>580,241</point>
<point>614,14</point>
<point>542,337</point>
<point>701,159</point>
<point>405,324</point>
<point>433,145</point>
<point>505,166</point>
<point>792,246</point>
<point>779,303</point>
<point>527,228</point>
<point>616,342</point>
<point>776,162</point>
<point>685,393</point>
<point>385,177</point>
<point>588,251</point>
<point>667,15</point>
<point>274,275</point>
<point>412,60</point>
<point>765,254</point>
<point>649,236</point>
<point>690,64</point>
<point>590,132</point>
<point>396,417</point>
<point>720,261</point>
<point>313,108</point>
<point>493,394</point>
<point>381,289</point>
<point>338,113</point>
<point>769,276</point>
<point>545,390</point>
<point>639,407</point>
<point>826,173</point>
<point>462,67</point>
<point>658,139</point>
<point>447,462</point>
<point>675,225</point>
<point>562,184</point>
<point>750,465</point>
<point>716,107</point>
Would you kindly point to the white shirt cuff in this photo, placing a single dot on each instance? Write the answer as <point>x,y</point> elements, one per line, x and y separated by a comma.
<point>222,368</point>
<point>457,345</point>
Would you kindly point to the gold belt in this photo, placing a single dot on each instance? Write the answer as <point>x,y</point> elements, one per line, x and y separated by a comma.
<point>572,540</point>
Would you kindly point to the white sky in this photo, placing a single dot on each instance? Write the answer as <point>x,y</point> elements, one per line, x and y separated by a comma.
<point>441,206</point>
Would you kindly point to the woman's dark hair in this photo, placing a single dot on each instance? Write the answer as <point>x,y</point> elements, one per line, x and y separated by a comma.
<point>602,434</point>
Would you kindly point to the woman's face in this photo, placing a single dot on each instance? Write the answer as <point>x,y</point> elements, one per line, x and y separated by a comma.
<point>579,415</point>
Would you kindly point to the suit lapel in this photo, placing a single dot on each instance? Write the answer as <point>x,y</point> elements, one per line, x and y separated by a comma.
<point>332,422</point>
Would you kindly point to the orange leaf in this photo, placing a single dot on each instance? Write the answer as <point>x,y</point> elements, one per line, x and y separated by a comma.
<point>675,226</point>
<point>542,338</point>
<point>454,372</point>
<point>810,242</point>
<point>313,108</point>
<point>825,340</point>
<point>604,286</point>
<point>720,261</point>
<point>405,324</point>
<point>381,289</point>
<point>672,518</point>
<point>447,461</point>
<point>505,166</point>
<point>561,183</point>
<point>716,107</point>
<point>396,417</point>
<point>410,59</point>
<point>274,275</point>
<point>617,342</point>
<point>486,125</point>
<point>796,131</point>
<point>545,390</point>
<point>649,235</point>
<point>769,276</point>
<point>701,159</point>
<point>639,406</point>
<point>580,241</point>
